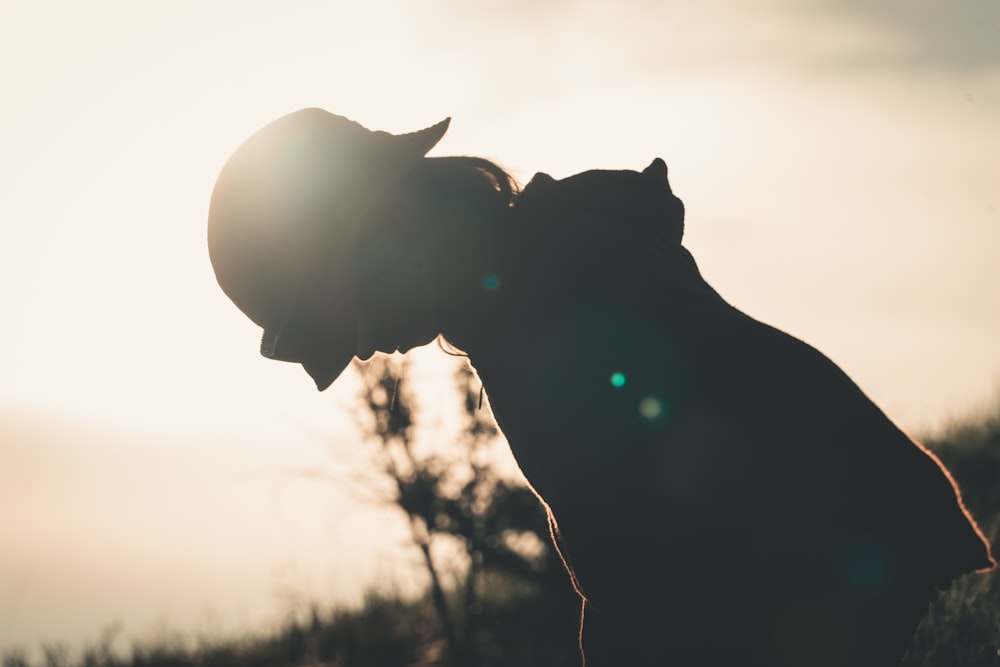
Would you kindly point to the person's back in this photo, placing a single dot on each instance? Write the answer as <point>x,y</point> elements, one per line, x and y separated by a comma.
<point>725,493</point>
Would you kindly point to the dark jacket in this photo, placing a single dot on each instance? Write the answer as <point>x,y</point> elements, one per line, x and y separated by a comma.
<point>725,493</point>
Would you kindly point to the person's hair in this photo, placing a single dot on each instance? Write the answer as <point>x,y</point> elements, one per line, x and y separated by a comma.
<point>455,200</point>
<point>460,207</point>
<point>465,201</point>
<point>472,183</point>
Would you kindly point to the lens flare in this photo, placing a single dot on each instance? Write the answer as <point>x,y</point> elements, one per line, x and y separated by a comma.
<point>652,409</point>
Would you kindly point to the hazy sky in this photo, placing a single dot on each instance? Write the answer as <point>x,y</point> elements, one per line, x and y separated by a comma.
<point>839,159</point>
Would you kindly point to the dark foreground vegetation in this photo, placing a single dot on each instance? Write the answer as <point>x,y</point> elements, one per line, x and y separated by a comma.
<point>509,602</point>
<point>963,627</point>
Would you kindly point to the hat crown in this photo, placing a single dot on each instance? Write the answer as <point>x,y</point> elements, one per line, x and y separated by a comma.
<point>295,193</point>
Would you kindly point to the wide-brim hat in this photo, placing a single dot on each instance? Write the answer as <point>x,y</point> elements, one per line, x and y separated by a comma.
<point>289,202</point>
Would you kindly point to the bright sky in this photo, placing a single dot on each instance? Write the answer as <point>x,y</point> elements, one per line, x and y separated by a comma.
<point>839,159</point>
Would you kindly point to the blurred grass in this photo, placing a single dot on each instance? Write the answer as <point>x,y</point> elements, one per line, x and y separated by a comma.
<point>385,632</point>
<point>519,621</point>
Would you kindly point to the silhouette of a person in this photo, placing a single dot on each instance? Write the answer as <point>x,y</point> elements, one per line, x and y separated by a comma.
<point>725,493</point>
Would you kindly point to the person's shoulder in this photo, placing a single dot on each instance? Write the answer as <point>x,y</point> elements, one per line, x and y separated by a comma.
<point>636,205</point>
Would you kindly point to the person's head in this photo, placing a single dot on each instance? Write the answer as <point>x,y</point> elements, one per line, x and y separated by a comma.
<point>425,249</point>
<point>330,236</point>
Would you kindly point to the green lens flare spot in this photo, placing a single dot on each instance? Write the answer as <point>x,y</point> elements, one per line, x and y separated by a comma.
<point>617,379</point>
<point>652,409</point>
<point>490,282</point>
